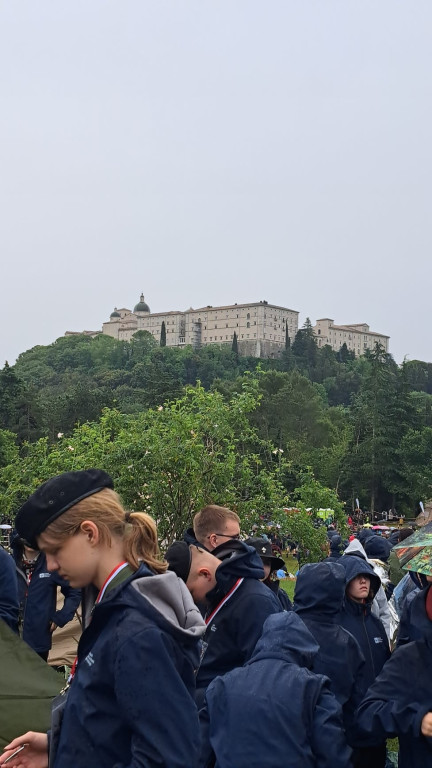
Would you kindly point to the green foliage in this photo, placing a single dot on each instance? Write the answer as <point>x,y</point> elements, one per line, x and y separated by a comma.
<point>360,425</point>
<point>314,496</point>
<point>8,448</point>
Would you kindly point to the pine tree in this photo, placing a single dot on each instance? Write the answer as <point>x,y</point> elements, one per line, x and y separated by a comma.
<point>163,334</point>
<point>234,346</point>
<point>287,338</point>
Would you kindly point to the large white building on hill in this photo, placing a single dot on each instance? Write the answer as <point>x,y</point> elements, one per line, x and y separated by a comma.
<point>358,337</point>
<point>260,327</point>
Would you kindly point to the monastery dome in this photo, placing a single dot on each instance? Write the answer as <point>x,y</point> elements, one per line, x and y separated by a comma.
<point>141,306</point>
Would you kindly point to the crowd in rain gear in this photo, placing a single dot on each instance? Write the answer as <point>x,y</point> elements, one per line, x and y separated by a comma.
<point>318,601</point>
<point>358,619</point>
<point>275,683</point>
<point>400,697</point>
<point>274,711</point>
<point>380,607</point>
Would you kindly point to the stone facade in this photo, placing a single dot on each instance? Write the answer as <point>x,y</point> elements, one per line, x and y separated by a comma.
<point>260,326</point>
<point>358,337</point>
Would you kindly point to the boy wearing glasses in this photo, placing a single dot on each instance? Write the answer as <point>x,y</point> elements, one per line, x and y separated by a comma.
<point>214,527</point>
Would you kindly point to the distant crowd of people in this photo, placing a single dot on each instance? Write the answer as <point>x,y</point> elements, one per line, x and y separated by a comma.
<point>198,659</point>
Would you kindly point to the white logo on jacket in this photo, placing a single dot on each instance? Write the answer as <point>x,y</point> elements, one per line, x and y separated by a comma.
<point>44,575</point>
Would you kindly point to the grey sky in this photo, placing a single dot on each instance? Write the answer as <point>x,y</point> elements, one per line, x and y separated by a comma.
<point>208,152</point>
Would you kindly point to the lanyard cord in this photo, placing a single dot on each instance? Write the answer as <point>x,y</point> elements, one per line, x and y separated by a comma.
<point>229,594</point>
<point>100,596</point>
<point>109,579</point>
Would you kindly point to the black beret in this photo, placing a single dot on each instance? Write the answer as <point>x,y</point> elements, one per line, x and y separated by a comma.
<point>54,497</point>
<point>179,559</point>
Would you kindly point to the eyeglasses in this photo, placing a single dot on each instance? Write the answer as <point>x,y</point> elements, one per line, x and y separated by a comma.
<point>236,536</point>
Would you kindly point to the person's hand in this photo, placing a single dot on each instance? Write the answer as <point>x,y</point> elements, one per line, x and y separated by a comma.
<point>34,754</point>
<point>426,724</point>
<point>53,627</point>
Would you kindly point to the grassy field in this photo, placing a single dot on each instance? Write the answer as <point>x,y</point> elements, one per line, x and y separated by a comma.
<point>289,584</point>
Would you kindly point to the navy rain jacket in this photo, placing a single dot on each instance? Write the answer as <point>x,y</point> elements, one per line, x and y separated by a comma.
<point>131,702</point>
<point>414,623</point>
<point>274,712</point>
<point>357,618</point>
<point>38,604</point>
<point>8,591</point>
<point>318,600</point>
<point>401,695</point>
<point>232,632</point>
<point>280,594</point>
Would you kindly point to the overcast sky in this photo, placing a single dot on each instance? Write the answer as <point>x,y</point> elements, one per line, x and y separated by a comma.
<point>212,152</point>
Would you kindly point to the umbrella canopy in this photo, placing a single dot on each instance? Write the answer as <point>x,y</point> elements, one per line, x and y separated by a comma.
<point>27,687</point>
<point>413,545</point>
<point>421,563</point>
<point>421,538</point>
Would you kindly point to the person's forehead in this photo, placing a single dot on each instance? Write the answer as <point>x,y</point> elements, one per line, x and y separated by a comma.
<point>232,527</point>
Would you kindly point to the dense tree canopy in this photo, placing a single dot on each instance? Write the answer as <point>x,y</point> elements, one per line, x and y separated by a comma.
<point>360,427</point>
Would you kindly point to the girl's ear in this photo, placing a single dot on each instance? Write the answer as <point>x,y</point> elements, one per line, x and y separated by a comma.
<point>91,531</point>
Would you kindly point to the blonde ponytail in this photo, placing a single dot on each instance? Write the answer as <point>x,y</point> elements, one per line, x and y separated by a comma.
<point>141,542</point>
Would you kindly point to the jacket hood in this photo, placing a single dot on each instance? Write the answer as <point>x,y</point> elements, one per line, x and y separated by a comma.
<point>286,637</point>
<point>241,561</point>
<point>190,538</point>
<point>320,589</point>
<point>377,547</point>
<point>336,544</point>
<point>167,595</point>
<point>355,566</point>
<point>364,534</point>
<point>418,616</point>
<point>355,547</point>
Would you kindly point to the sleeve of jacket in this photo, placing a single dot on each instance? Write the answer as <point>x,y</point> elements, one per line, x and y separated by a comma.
<point>9,608</point>
<point>284,600</point>
<point>254,609</point>
<point>381,610</point>
<point>386,710</point>
<point>328,736</point>
<point>404,633</point>
<point>156,702</point>
<point>72,599</point>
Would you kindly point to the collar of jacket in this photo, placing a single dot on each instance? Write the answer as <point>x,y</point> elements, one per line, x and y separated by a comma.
<point>357,609</point>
